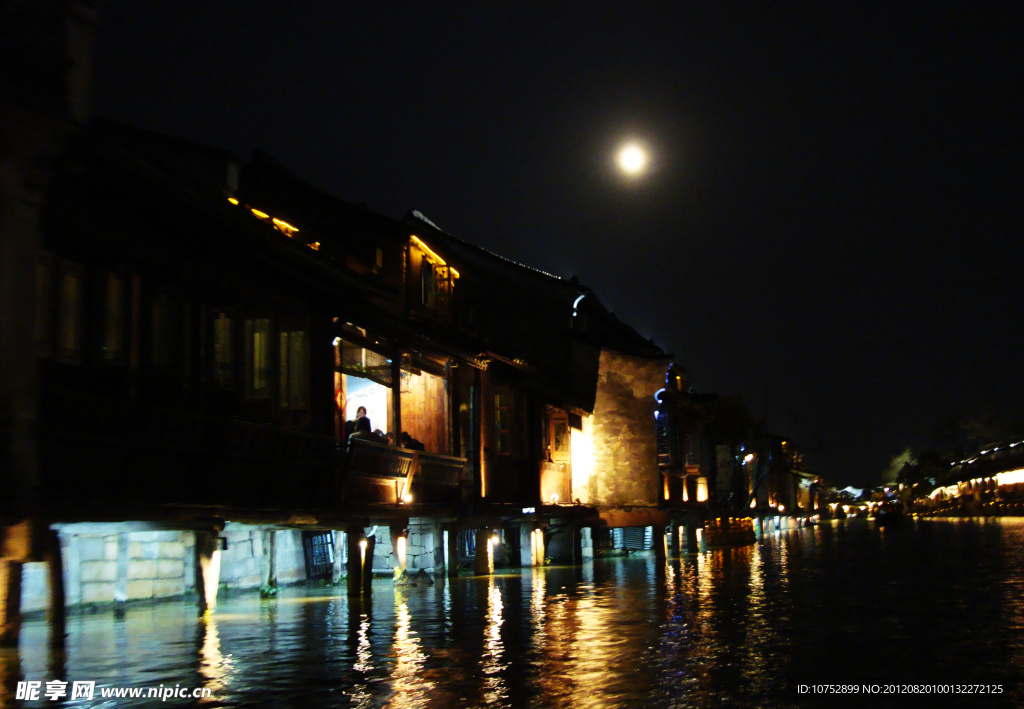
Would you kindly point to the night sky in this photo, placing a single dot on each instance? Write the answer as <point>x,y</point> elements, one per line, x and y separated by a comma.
<point>831,224</point>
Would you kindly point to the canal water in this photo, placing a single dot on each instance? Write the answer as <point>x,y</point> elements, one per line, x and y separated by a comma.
<point>932,602</point>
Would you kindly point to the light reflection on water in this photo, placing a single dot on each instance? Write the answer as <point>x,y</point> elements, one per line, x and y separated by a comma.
<point>845,602</point>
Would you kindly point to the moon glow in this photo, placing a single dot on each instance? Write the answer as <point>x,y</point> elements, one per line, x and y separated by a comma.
<point>632,159</point>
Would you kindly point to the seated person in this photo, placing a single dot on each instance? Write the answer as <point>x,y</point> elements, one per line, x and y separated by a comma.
<point>350,426</point>
<point>364,433</point>
<point>411,443</point>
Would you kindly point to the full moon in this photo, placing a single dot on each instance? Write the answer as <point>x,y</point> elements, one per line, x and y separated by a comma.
<point>632,159</point>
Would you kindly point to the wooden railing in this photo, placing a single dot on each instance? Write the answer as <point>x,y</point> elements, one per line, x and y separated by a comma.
<point>437,469</point>
<point>376,460</point>
<point>430,477</point>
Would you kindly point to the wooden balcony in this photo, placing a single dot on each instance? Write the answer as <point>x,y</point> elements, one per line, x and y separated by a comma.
<point>378,473</point>
<point>441,470</point>
<point>378,461</point>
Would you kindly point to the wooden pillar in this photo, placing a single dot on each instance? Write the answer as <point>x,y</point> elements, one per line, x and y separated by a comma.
<point>339,555</point>
<point>673,538</point>
<point>452,544</point>
<point>398,547</point>
<point>526,544</point>
<point>396,396</point>
<point>55,568</point>
<point>692,544</point>
<point>371,542</point>
<point>207,569</point>
<point>121,582</point>
<point>354,565</point>
<point>268,560</point>
<point>10,602</point>
<point>478,444</point>
<point>658,541</point>
<point>483,561</point>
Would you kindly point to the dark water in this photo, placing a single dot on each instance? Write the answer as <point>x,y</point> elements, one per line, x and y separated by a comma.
<point>933,601</point>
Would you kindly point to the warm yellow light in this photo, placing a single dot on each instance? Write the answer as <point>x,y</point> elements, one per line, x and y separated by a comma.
<point>428,250</point>
<point>285,227</point>
<point>407,498</point>
<point>1011,477</point>
<point>753,504</point>
<point>495,540</point>
<point>315,246</point>
<point>702,489</point>
<point>749,458</point>
<point>554,498</point>
<point>232,200</point>
<point>782,508</point>
<point>261,215</point>
<point>455,274</point>
<point>583,458</point>
<point>632,159</point>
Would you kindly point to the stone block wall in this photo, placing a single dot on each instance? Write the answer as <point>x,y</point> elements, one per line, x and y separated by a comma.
<point>242,561</point>
<point>104,563</point>
<point>424,548</point>
<point>622,445</point>
<point>291,560</point>
<point>156,564</point>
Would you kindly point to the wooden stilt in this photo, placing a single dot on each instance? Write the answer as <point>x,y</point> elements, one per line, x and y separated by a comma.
<point>10,602</point>
<point>55,567</point>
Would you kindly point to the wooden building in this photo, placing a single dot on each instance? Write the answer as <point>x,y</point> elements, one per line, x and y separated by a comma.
<point>206,329</point>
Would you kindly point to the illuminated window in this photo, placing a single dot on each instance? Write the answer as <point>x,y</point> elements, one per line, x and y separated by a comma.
<point>435,276</point>
<point>559,437</point>
<point>257,358</point>
<point>294,370</point>
<point>69,334</point>
<point>503,420</point>
<point>428,285</point>
<point>223,362</point>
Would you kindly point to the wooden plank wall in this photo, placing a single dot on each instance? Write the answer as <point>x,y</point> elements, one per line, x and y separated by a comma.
<point>425,410</point>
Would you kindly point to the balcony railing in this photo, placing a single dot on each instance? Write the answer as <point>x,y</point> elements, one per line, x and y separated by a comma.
<point>376,460</point>
<point>430,475</point>
<point>434,469</point>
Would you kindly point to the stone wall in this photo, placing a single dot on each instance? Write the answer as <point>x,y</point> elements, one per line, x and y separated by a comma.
<point>424,548</point>
<point>241,564</point>
<point>618,458</point>
<point>104,563</point>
